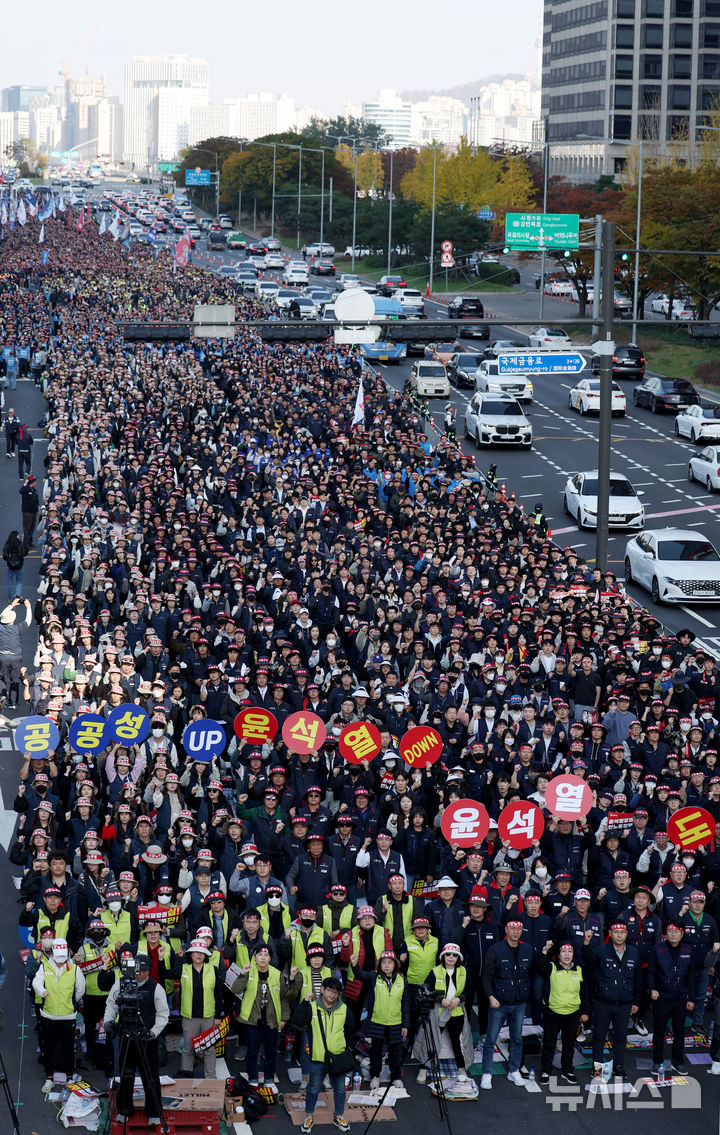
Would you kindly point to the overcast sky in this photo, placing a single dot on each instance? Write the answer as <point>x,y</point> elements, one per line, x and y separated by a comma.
<point>316,51</point>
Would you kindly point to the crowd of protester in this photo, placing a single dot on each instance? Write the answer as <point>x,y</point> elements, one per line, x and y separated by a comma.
<point>215,535</point>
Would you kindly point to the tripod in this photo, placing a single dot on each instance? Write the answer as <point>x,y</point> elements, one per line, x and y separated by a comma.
<point>135,1034</point>
<point>8,1098</point>
<point>423,1022</point>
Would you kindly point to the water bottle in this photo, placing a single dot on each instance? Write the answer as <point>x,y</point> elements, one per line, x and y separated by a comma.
<point>661,1073</point>
<point>357,1082</point>
<point>531,1077</point>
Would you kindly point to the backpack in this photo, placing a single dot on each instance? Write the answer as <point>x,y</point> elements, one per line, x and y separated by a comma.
<point>254,1104</point>
<point>14,558</point>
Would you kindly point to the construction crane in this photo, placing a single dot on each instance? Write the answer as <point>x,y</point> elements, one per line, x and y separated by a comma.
<point>65,68</point>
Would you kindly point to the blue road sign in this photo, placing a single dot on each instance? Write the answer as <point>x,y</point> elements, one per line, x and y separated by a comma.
<point>486,215</point>
<point>197,176</point>
<point>541,363</point>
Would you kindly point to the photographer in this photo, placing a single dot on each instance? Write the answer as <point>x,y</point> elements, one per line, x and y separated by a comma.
<point>151,1007</point>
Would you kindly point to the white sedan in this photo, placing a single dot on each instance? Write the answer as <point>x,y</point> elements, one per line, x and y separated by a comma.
<point>274,260</point>
<point>497,419</point>
<point>676,565</point>
<point>295,273</point>
<point>580,501</point>
<point>549,339</point>
<point>585,397</point>
<point>705,467</point>
<point>699,423</point>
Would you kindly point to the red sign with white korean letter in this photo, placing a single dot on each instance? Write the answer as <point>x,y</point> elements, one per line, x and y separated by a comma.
<point>359,742</point>
<point>421,746</point>
<point>303,732</point>
<point>520,823</point>
<point>690,828</point>
<point>465,822</point>
<point>569,797</point>
<point>256,725</point>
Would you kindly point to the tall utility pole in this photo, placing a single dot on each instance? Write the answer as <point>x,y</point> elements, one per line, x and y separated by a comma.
<point>546,163</point>
<point>637,245</point>
<point>605,348</point>
<point>390,205</point>
<point>299,195</point>
<point>272,215</point>
<point>597,274</point>
<point>432,219</point>
<point>352,258</point>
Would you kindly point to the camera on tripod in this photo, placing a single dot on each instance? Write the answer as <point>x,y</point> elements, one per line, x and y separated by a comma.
<point>424,1001</point>
<point>129,1018</point>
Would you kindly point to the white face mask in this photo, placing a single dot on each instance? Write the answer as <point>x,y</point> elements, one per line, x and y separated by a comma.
<point>685,728</point>
<point>541,872</point>
<point>115,906</point>
<point>164,900</point>
<point>274,901</point>
<point>688,861</point>
<point>490,713</point>
<point>657,651</point>
<point>330,643</point>
<point>666,664</point>
<point>249,860</point>
<point>187,843</point>
<point>158,732</point>
<point>60,954</point>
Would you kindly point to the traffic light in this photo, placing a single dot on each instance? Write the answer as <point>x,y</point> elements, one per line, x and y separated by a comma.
<point>625,256</point>
<point>505,251</point>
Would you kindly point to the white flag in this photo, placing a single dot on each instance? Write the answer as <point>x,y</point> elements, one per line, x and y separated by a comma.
<point>41,238</point>
<point>359,413</point>
<point>21,214</point>
<point>115,226</point>
<point>61,204</point>
<point>103,226</point>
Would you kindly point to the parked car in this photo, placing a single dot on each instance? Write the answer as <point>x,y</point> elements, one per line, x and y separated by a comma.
<point>628,362</point>
<point>580,500</point>
<point>667,394</point>
<point>429,379</point>
<point>317,249</point>
<point>585,397</point>
<point>699,423</point>
<point>705,467</point>
<point>497,419</point>
<point>676,565</point>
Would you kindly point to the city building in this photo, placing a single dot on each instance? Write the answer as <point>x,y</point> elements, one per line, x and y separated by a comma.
<point>438,118</point>
<point>393,115</point>
<point>258,114</point>
<point>212,121</point>
<point>18,97</point>
<point>146,78</point>
<point>46,124</point>
<point>615,71</point>
<point>505,112</point>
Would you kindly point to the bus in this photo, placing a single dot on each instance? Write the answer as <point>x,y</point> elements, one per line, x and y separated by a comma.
<point>384,351</point>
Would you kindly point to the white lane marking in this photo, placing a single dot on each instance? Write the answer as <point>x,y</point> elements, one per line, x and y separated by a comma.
<point>694,615</point>
<point>531,476</point>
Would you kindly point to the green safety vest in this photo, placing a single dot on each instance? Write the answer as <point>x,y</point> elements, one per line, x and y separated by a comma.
<point>242,953</point>
<point>209,975</point>
<point>378,938</point>
<point>60,990</point>
<point>60,925</point>
<point>173,944</point>
<point>92,952</point>
<point>422,957</point>
<point>299,947</point>
<point>120,931</point>
<point>334,1027</point>
<point>344,922</point>
<point>406,911</point>
<point>307,985</point>
<point>459,978</point>
<point>248,997</point>
<point>565,985</point>
<point>264,912</point>
<point>387,1009</point>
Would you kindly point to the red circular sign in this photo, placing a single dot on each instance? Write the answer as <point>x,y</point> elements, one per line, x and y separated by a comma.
<point>569,797</point>
<point>303,732</point>
<point>421,746</point>
<point>257,725</point>
<point>447,246</point>
<point>465,822</point>
<point>691,827</point>
<point>360,741</point>
<point>520,823</point>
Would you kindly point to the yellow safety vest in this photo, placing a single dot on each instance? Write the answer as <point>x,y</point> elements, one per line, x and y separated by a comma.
<point>120,931</point>
<point>209,976</point>
<point>307,985</point>
<point>248,997</point>
<point>422,957</point>
<point>264,912</point>
<point>344,922</point>
<point>440,985</point>
<point>387,1008</point>
<point>378,938</point>
<point>406,910</point>
<point>60,925</point>
<point>60,990</point>
<point>334,1027</point>
<point>92,952</point>
<point>299,947</point>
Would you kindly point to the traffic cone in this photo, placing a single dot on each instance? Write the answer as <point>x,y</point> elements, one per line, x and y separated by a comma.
<point>427,290</point>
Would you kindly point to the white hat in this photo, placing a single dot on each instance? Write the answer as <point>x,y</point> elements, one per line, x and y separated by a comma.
<point>452,948</point>
<point>446,881</point>
<point>198,947</point>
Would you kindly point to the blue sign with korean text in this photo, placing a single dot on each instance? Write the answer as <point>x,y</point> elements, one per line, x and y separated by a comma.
<point>37,735</point>
<point>88,733</point>
<point>197,176</point>
<point>541,363</point>
<point>128,724</point>
<point>486,215</point>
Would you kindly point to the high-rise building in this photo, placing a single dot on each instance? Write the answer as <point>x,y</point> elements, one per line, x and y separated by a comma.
<point>211,121</point>
<point>505,112</point>
<point>46,124</point>
<point>393,115</point>
<point>258,114</point>
<point>145,78</point>
<point>615,71</point>
<point>438,118</point>
<point>18,97</point>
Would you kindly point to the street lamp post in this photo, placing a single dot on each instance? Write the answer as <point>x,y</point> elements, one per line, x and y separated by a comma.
<point>637,245</point>
<point>432,219</point>
<point>390,205</point>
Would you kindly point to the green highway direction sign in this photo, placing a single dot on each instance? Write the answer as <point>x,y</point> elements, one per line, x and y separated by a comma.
<point>542,230</point>
<point>168,167</point>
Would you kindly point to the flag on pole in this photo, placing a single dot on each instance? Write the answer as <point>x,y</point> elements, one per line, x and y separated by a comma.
<point>41,238</point>
<point>359,412</point>
<point>115,226</point>
<point>103,225</point>
<point>21,214</point>
<point>182,251</point>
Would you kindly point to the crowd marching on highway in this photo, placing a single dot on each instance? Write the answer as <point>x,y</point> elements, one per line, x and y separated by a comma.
<point>455,765</point>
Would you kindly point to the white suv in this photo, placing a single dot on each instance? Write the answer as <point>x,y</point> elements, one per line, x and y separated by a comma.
<point>410,298</point>
<point>429,379</point>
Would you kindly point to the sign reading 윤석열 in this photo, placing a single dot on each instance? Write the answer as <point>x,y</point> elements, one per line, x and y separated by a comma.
<point>542,230</point>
